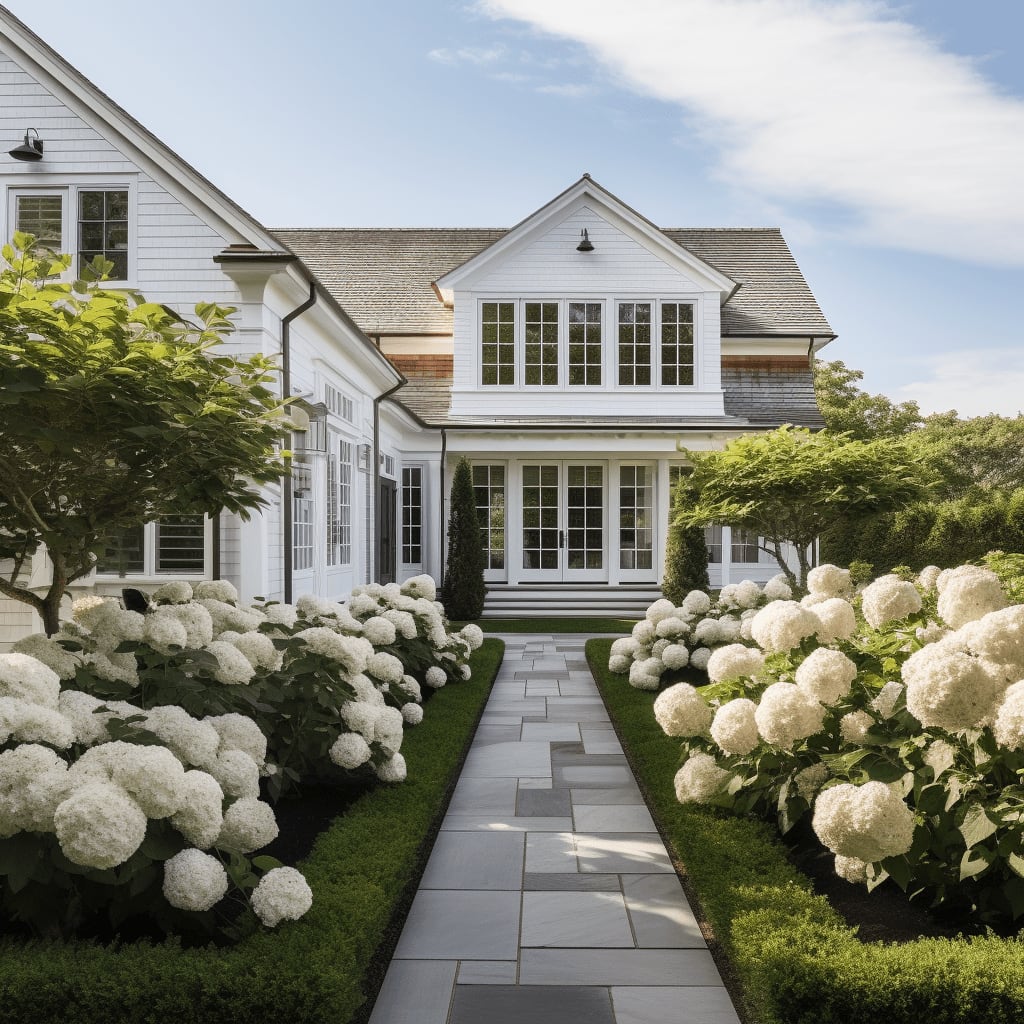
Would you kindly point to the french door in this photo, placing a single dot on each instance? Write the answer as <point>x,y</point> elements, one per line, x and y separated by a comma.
<point>564,529</point>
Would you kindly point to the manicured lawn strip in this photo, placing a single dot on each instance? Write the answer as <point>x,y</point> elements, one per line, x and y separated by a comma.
<point>795,960</point>
<point>361,870</point>
<point>619,627</point>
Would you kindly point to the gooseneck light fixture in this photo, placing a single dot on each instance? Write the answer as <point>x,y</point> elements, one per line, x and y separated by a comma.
<point>30,149</point>
<point>585,243</point>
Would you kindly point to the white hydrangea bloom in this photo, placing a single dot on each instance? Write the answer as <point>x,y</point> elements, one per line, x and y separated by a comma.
<point>421,587</point>
<point>353,652</point>
<point>26,678</point>
<point>191,741</point>
<point>281,614</point>
<point>837,619</point>
<point>403,621</point>
<point>385,667</point>
<point>361,717</point>
<point>673,657</point>
<point>624,646</point>
<point>33,783</point>
<point>151,775</point>
<point>885,702</point>
<point>778,588</point>
<point>281,895</point>
<point>379,631</point>
<point>699,780</point>
<point>661,609</point>
<point>436,677</point>
<point>787,714</point>
<point>782,625</point>
<point>175,592</point>
<point>47,650</point>
<point>829,581</point>
<point>392,770</point>
<point>645,632</point>
<point>234,668</point>
<point>696,602</point>
<point>810,779</point>
<point>164,633</point>
<point>237,773</point>
<point>619,663</point>
<point>363,605</point>
<point>200,817</point>
<point>258,649</point>
<point>79,709</point>
<point>226,616</point>
<point>412,714</point>
<point>474,634</point>
<point>194,881</point>
<point>99,825</point>
<point>997,637</point>
<point>699,658</point>
<point>115,668</point>
<point>928,577</point>
<point>852,869</point>
<point>388,728</point>
<point>868,822</point>
<point>642,679</point>
<point>889,599</point>
<point>707,632</point>
<point>744,594</point>
<point>350,750</point>
<point>734,727</point>
<point>249,824</point>
<point>682,711</point>
<point>733,662</point>
<point>671,627</point>
<point>730,628</point>
<point>854,727</point>
<point>216,590</point>
<point>237,732</point>
<point>368,691</point>
<point>826,675</point>
<point>91,611</point>
<point>967,593</point>
<point>33,723</point>
<point>1009,724</point>
<point>309,606</point>
<point>194,617</point>
<point>466,672</point>
<point>949,689</point>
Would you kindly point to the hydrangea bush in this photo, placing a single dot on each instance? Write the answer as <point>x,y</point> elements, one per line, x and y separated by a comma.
<point>892,721</point>
<point>671,637</point>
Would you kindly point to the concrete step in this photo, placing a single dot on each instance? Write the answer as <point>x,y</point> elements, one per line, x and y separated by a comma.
<point>568,600</point>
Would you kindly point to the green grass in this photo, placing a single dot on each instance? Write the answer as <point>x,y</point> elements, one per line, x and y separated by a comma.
<point>793,959</point>
<point>363,871</point>
<point>621,627</point>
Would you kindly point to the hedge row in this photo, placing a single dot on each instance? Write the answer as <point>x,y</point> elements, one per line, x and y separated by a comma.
<point>795,960</point>
<point>360,871</point>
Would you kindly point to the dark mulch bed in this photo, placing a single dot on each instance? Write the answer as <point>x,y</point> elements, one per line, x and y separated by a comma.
<point>884,915</point>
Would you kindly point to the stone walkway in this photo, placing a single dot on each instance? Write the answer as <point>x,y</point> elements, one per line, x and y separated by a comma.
<point>549,897</point>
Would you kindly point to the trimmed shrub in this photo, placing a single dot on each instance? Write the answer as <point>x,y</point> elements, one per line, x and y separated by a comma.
<point>464,588</point>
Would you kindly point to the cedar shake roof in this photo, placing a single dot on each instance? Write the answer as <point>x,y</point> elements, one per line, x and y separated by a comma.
<point>383,276</point>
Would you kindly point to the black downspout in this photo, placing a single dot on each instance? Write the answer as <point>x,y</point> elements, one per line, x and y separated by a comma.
<point>215,541</point>
<point>440,515</point>
<point>375,550</point>
<point>286,391</point>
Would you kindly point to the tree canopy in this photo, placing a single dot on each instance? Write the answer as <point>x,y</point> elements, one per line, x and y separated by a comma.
<point>847,409</point>
<point>115,411</point>
<point>787,485</point>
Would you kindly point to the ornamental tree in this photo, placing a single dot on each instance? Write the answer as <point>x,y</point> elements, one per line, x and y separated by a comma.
<point>115,411</point>
<point>788,484</point>
<point>464,588</point>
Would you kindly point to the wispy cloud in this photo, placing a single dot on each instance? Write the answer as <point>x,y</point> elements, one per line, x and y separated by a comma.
<point>477,55</point>
<point>839,103</point>
<point>570,90</point>
<point>972,381</point>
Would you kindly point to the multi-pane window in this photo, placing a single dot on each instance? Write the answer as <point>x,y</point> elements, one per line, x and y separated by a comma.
<point>676,343</point>
<point>170,545</point>
<point>302,516</point>
<point>541,541</point>
<point>540,355</point>
<point>585,344</point>
<point>43,216</point>
<point>344,502</point>
<point>584,509</point>
<point>744,545</point>
<point>498,343</point>
<point>331,507</point>
<point>489,488</point>
<point>636,535</point>
<point>634,343</point>
<point>103,229</point>
<point>713,539</point>
<point>412,515</point>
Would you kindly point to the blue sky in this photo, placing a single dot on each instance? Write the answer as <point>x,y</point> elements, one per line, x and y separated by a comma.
<point>887,141</point>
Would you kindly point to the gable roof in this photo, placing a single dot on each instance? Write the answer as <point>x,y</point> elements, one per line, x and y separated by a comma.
<point>383,276</point>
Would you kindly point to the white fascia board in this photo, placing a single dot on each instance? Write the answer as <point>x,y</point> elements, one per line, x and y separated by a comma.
<point>613,210</point>
<point>127,135</point>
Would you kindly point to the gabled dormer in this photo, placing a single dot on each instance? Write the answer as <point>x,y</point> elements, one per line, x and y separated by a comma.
<point>586,303</point>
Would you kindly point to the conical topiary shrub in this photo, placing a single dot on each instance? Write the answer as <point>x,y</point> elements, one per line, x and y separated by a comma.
<point>464,587</point>
<point>686,553</point>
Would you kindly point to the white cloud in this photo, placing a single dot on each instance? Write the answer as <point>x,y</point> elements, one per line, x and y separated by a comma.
<point>839,102</point>
<point>468,55</point>
<point>570,90</point>
<point>972,381</point>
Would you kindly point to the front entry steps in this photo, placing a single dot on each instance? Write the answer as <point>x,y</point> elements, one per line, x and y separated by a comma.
<point>569,600</point>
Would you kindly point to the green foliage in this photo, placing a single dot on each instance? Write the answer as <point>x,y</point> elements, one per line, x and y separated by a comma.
<point>115,411</point>
<point>847,409</point>
<point>464,588</point>
<point>789,485</point>
<point>795,960</point>
<point>320,968</point>
<point>686,551</point>
<point>1010,570</point>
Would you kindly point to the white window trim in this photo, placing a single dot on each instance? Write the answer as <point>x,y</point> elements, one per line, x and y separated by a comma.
<point>422,467</point>
<point>68,190</point>
<point>149,554</point>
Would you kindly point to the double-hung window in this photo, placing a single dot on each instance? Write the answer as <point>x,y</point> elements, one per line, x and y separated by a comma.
<point>171,545</point>
<point>84,221</point>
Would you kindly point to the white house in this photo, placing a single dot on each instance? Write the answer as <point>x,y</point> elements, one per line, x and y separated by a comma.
<point>567,358</point>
